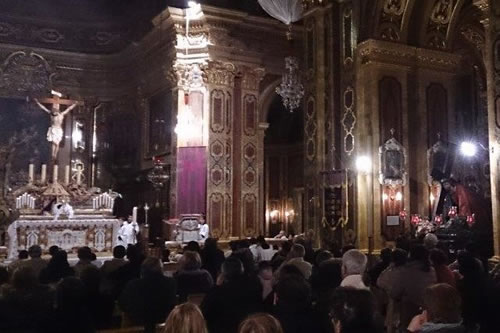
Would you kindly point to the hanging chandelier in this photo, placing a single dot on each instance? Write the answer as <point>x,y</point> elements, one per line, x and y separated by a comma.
<point>158,176</point>
<point>291,89</point>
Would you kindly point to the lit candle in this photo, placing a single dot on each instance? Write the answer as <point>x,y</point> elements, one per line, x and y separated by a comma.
<point>18,203</point>
<point>78,175</point>
<point>56,170</point>
<point>31,173</point>
<point>66,175</point>
<point>134,214</point>
<point>44,174</point>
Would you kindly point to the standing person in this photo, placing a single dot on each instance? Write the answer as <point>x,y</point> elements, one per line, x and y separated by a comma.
<point>127,235</point>
<point>212,257</point>
<point>204,230</point>
<point>353,268</point>
<point>414,278</point>
<point>190,278</point>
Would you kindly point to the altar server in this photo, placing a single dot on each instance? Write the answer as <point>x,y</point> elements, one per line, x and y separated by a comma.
<point>128,232</point>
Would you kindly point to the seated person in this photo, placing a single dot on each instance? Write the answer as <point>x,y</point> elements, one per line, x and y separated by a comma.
<point>190,278</point>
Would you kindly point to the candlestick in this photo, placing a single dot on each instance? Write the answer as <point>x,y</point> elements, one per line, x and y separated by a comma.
<point>66,175</point>
<point>31,173</point>
<point>44,174</point>
<point>56,170</point>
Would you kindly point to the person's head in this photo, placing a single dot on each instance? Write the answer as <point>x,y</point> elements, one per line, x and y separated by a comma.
<point>70,294</point>
<point>354,311</point>
<point>353,262</point>
<point>185,318</point>
<point>35,251</point>
<point>323,256</point>
<point>53,249</point>
<point>438,257</point>
<point>468,265</point>
<point>119,252</point>
<point>151,266</point>
<point>286,246</point>
<point>430,241</point>
<point>330,273</point>
<point>192,246</point>
<point>399,257</point>
<point>385,255</point>
<point>190,261</point>
<point>130,219</point>
<point>449,184</point>
<point>419,253</point>
<point>134,253</point>
<point>232,268</point>
<point>443,304</point>
<point>293,292</point>
<point>84,253</point>
<point>297,251</point>
<point>23,254</point>
<point>260,323</point>
<point>289,270</point>
<point>60,258</point>
<point>91,277</point>
<point>24,278</point>
<point>210,244</point>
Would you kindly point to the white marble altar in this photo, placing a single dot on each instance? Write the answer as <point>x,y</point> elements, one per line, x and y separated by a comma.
<point>98,232</point>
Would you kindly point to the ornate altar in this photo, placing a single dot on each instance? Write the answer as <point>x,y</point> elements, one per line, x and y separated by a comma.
<point>95,231</point>
<point>186,228</point>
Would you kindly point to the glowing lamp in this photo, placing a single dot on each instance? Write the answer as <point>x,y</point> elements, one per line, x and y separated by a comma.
<point>363,164</point>
<point>468,149</point>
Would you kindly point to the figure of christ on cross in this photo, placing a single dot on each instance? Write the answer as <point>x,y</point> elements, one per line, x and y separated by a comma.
<point>55,132</point>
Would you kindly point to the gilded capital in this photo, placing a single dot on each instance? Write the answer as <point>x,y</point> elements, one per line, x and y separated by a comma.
<point>251,77</point>
<point>219,73</point>
<point>186,76</point>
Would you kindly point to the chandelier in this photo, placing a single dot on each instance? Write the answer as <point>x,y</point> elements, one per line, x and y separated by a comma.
<point>158,176</point>
<point>291,89</point>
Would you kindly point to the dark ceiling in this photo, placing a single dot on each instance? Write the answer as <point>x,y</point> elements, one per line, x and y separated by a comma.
<point>89,26</point>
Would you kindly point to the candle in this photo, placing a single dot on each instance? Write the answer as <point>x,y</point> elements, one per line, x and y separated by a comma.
<point>18,203</point>
<point>66,175</point>
<point>31,173</point>
<point>54,178</point>
<point>44,174</point>
<point>134,214</point>
<point>79,175</point>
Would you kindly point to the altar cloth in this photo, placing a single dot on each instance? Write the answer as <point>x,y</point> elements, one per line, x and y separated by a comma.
<point>100,233</point>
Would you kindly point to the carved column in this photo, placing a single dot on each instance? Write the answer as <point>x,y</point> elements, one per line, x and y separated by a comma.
<point>492,64</point>
<point>246,146</point>
<point>314,116</point>
<point>219,79</point>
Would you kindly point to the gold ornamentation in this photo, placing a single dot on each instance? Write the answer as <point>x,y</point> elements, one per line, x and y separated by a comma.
<point>219,73</point>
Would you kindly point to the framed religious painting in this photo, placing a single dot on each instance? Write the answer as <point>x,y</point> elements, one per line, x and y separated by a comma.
<point>392,158</point>
<point>437,161</point>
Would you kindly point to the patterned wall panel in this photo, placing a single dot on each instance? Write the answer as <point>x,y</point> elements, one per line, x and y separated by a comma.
<point>310,129</point>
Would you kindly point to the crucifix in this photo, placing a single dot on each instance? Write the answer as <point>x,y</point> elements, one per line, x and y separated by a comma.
<point>55,132</point>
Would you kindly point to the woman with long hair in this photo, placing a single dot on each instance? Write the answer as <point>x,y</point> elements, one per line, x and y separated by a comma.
<point>185,318</point>
<point>260,323</point>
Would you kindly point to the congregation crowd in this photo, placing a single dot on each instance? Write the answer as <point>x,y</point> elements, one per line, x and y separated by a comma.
<point>254,288</point>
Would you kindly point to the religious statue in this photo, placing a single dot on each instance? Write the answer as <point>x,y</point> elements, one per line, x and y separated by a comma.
<point>55,132</point>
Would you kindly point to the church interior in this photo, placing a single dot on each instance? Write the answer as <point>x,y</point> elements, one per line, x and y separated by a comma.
<point>346,124</point>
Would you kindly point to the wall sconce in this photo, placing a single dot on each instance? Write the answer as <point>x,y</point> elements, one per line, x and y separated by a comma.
<point>399,196</point>
<point>274,215</point>
<point>431,198</point>
<point>364,164</point>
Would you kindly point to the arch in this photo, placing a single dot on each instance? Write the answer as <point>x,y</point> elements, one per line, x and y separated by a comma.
<point>266,98</point>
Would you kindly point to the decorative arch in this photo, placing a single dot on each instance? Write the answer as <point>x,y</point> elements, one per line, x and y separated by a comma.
<point>266,98</point>
<point>393,18</point>
<point>25,73</point>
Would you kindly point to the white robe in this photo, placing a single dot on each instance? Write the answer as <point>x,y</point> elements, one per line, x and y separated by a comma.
<point>128,233</point>
<point>204,230</point>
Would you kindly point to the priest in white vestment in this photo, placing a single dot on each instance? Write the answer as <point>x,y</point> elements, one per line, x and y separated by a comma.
<point>128,233</point>
<point>204,230</point>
